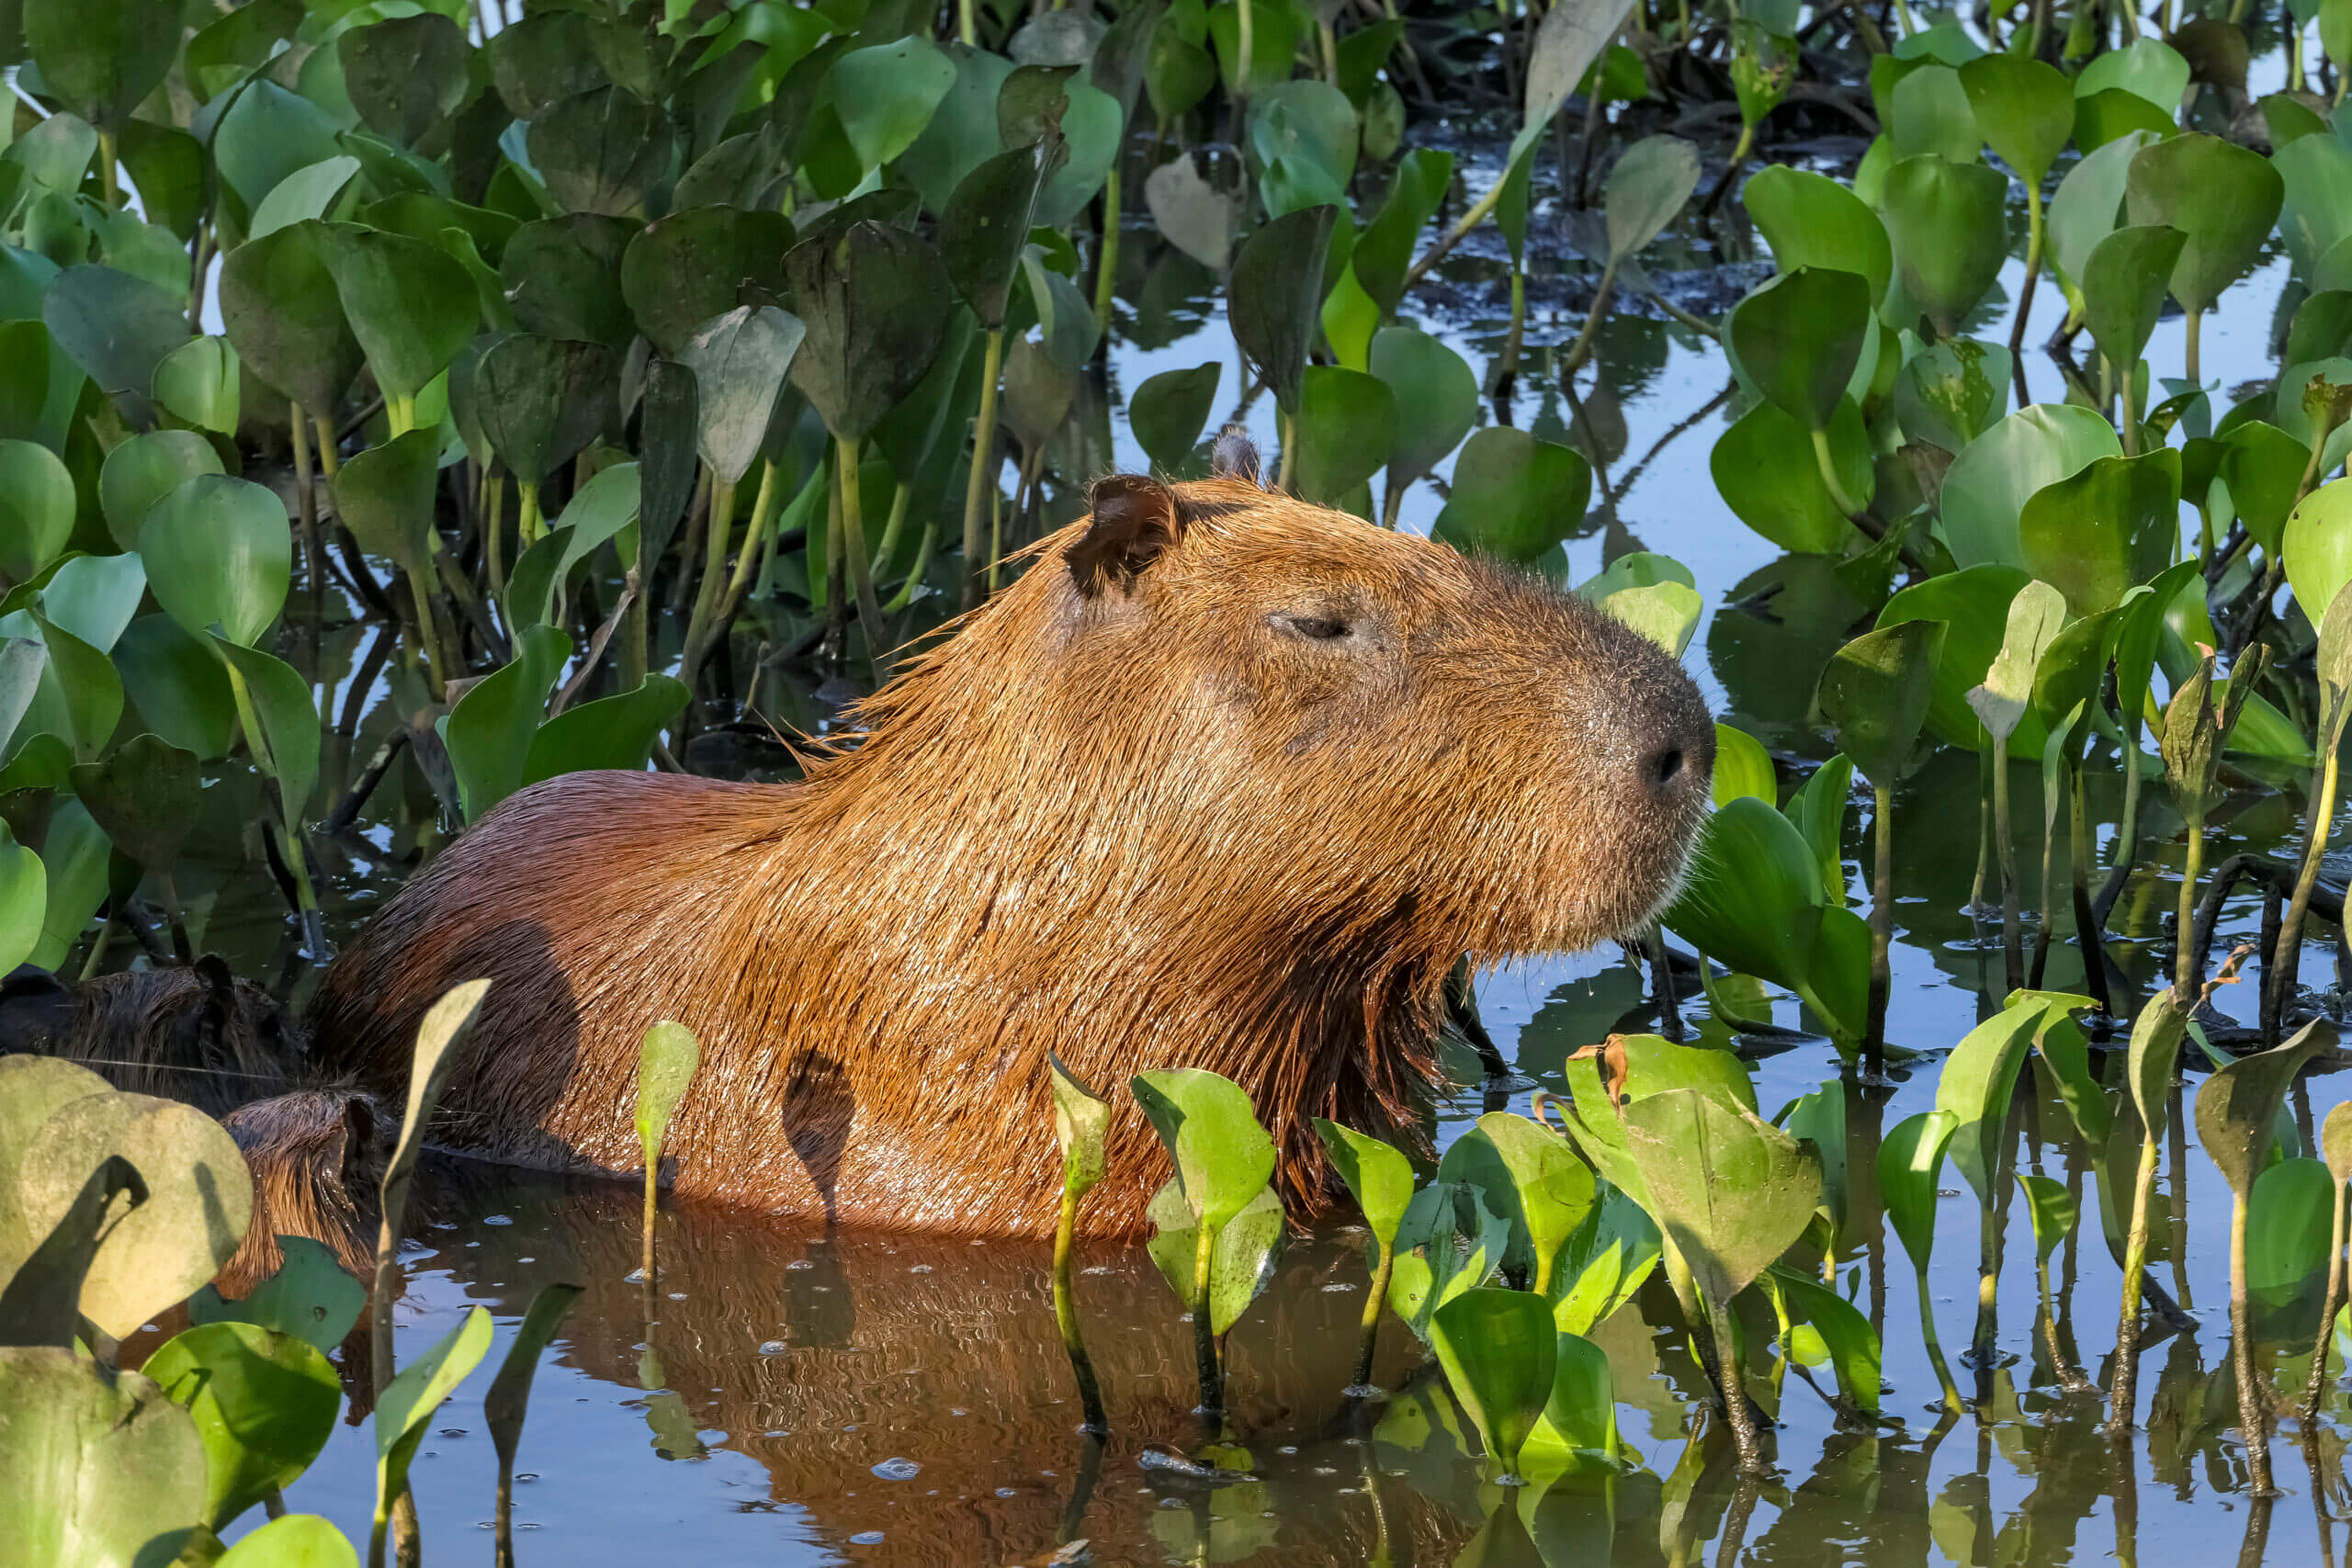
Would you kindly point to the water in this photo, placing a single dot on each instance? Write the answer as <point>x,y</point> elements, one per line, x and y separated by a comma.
<point>790,1397</point>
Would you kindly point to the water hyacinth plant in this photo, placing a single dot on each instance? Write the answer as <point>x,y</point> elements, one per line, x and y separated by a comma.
<point>400,407</point>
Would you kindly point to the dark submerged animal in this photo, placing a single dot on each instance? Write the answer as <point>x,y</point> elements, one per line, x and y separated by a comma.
<point>1223,780</point>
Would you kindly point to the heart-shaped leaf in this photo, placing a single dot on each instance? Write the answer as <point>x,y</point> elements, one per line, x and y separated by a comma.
<point>264,1404</point>
<point>218,553</point>
<point>868,297</point>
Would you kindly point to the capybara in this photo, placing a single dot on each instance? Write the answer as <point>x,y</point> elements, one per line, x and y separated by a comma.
<point>1223,780</point>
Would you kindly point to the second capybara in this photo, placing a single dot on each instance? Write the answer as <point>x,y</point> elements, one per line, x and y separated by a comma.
<point>1223,780</point>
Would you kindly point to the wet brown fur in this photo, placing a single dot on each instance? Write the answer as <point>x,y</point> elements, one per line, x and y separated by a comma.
<point>317,1161</point>
<point>1129,813</point>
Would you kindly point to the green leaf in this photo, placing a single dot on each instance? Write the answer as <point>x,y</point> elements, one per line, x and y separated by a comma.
<point>78,696</point>
<point>145,795</point>
<point>2024,108</point>
<point>218,553</point>
<point>2224,196</point>
<point>2035,617</point>
<point>542,401</point>
<point>1743,768</point>
<point>385,495</point>
<point>869,297</point>
<point>2263,465</point>
<point>179,688</point>
<point>1647,186</point>
<point>739,361</point>
<point>101,56</point>
<point>1974,1087</point>
<point>1604,1263</point>
<point>610,732</point>
<point>1732,1191</point>
<point>1798,338</point>
<point>1810,219</point>
<point>2238,1105</point>
<point>310,1297</point>
<point>411,305</point>
<point>1499,1354</point>
<point>509,1396</point>
<point>409,1401</point>
<point>1378,1176</point>
<point>601,151</point>
<point>1876,691</point>
<point>691,266</point>
<point>289,722</point>
<point>1439,1255</point>
<point>489,731</point>
<point>283,315</point>
<point>2316,545</point>
<point>1950,393</point>
<point>2156,1036</point>
<point>264,1404</point>
<point>2052,1209</point>
<point>886,94</point>
<point>37,508</point>
<point>1271,299</point>
<point>1754,897</point>
<point>199,1197</point>
<point>24,894</point>
<point>1082,1121</point>
<point>1168,412</point>
<point>199,382</point>
<point>1949,224</point>
<point>1931,113</point>
<point>987,223</point>
<point>1514,495</point>
<point>1240,1263</point>
<point>1988,484</point>
<point>296,1540</point>
<point>145,468</point>
<point>665,1065</point>
<point>440,1034</point>
<point>1910,1166</point>
<point>2123,283</point>
<point>1436,383</point>
<point>2097,533</point>
<point>2289,1214</point>
<point>407,75</point>
<point>1383,252</point>
<point>1223,1156</point>
<point>1854,1351</point>
<point>104,1472</point>
<point>563,279</point>
<point>1531,1178</point>
<point>1346,427</point>
<point>118,328</point>
<point>1765,468</point>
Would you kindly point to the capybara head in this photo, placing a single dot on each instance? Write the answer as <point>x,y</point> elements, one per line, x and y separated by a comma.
<point>1355,714</point>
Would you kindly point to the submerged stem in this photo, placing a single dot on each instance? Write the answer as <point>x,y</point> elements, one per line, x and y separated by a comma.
<point>1935,1345</point>
<point>1369,1334</point>
<point>2253,1406</point>
<point>1204,1356</point>
<point>2121,1402</point>
<point>2313,1389</point>
<point>1090,1391</point>
<point>983,475</point>
<point>1881,930</point>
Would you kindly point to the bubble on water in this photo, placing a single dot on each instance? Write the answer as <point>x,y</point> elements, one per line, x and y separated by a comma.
<point>531,1526</point>
<point>795,1263</point>
<point>919,1269</point>
<point>1096,1269</point>
<point>496,1219</point>
<point>1340,1287</point>
<point>453,1431</point>
<point>898,1468</point>
<point>1008,1492</point>
<point>1171,1502</point>
<point>527,1475</point>
<point>677,1295</point>
<point>526,1260</point>
<point>772,1346</point>
<point>634,1277</point>
<point>867,1538</point>
<point>1287,1448</point>
<point>957,1410</point>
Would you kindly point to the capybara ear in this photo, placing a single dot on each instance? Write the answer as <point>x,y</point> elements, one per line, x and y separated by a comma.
<point>1235,456</point>
<point>1135,519</point>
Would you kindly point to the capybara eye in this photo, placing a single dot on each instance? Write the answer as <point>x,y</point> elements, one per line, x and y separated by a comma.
<point>1317,628</point>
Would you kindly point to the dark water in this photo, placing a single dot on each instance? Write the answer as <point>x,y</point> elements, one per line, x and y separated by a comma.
<point>789,1397</point>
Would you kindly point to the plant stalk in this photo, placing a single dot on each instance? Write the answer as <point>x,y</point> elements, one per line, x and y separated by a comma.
<point>2254,1407</point>
<point>2279,975</point>
<point>983,475</point>
<point>1204,1356</point>
<point>1838,497</point>
<point>860,569</point>
<point>1090,1391</point>
<point>2184,964</point>
<point>1934,1342</point>
<point>1582,349</point>
<point>1734,1392</point>
<point>1881,930</point>
<point>2033,233</point>
<point>1368,1334</point>
<point>1106,261</point>
<point>2121,1399</point>
<point>2004,852</point>
<point>2329,1305</point>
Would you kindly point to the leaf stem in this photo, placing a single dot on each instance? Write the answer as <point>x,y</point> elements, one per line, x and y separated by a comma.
<point>1935,1345</point>
<point>1106,260</point>
<point>1090,1391</point>
<point>1881,930</point>
<point>1582,349</point>
<point>1368,1336</point>
<point>1838,497</point>
<point>1204,1356</point>
<point>983,474</point>
<point>2253,1406</point>
<point>2317,1386</point>
<point>861,569</point>
<point>2121,1403</point>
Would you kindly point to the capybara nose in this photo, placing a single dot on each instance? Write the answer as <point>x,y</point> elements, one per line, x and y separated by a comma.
<point>1681,763</point>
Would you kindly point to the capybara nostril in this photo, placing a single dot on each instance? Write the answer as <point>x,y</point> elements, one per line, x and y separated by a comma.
<point>1665,766</point>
